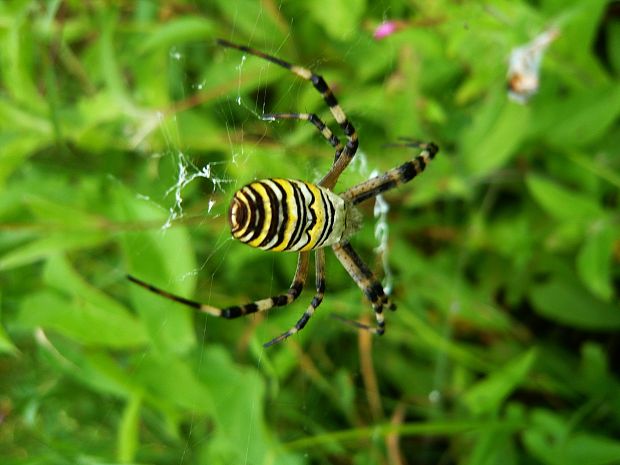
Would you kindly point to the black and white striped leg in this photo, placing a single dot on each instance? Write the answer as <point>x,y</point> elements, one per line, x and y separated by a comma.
<point>319,259</point>
<point>370,286</point>
<point>347,154</point>
<point>312,118</point>
<point>392,178</point>
<point>236,311</point>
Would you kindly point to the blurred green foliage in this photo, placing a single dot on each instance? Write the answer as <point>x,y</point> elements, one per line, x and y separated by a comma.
<point>505,347</point>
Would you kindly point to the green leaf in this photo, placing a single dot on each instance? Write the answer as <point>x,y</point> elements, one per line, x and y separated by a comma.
<point>551,442</point>
<point>165,258</point>
<point>174,381</point>
<point>271,30</point>
<point>23,133</point>
<point>595,258</point>
<point>565,301</point>
<point>53,244</point>
<point>112,72</point>
<point>488,395</point>
<point>563,204</point>
<point>613,45</point>
<point>340,19</point>
<point>80,311</point>
<point>594,367</point>
<point>97,370</point>
<point>61,215</point>
<point>6,345</point>
<point>18,60</point>
<point>494,446</point>
<point>128,431</point>
<point>81,320</point>
<point>585,449</point>
<point>23,119</point>
<point>237,392</point>
<point>496,135</point>
<point>579,23</point>
<point>578,120</point>
<point>178,31</point>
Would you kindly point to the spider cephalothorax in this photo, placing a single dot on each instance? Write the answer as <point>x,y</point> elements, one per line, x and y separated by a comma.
<point>298,216</point>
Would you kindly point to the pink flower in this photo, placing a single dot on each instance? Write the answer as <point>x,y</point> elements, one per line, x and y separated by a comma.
<point>385,29</point>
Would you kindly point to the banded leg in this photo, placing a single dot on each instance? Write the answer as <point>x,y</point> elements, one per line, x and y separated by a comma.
<point>347,154</point>
<point>236,311</point>
<point>370,286</point>
<point>319,259</point>
<point>392,178</point>
<point>312,118</point>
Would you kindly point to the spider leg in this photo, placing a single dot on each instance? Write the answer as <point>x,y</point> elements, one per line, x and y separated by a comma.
<point>236,311</point>
<point>367,282</point>
<point>319,259</point>
<point>347,154</point>
<point>312,118</point>
<point>392,178</point>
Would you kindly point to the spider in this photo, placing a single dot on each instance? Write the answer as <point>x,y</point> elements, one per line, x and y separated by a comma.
<point>292,215</point>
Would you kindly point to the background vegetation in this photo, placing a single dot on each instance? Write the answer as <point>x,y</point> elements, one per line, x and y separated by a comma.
<point>505,253</point>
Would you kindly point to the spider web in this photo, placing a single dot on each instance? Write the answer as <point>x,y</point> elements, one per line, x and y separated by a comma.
<point>190,170</point>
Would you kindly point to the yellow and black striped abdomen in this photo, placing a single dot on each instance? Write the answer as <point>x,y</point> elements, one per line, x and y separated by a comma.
<point>286,215</point>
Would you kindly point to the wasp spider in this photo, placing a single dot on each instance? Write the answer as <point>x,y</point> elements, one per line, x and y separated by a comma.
<point>291,215</point>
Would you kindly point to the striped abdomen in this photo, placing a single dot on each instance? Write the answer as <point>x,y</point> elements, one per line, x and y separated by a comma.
<point>285,214</point>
